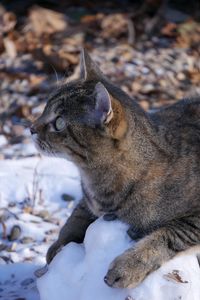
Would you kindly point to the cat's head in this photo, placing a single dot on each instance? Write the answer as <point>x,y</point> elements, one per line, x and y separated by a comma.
<point>81,118</point>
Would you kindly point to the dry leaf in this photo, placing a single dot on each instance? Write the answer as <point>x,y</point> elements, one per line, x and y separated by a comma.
<point>170,30</point>
<point>44,20</point>
<point>174,276</point>
<point>10,48</point>
<point>113,25</point>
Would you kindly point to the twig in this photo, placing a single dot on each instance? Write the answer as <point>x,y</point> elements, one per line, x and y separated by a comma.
<point>35,185</point>
<point>4,230</point>
<point>131,32</point>
<point>10,212</point>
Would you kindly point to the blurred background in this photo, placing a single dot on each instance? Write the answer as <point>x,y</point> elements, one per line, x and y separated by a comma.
<point>151,48</point>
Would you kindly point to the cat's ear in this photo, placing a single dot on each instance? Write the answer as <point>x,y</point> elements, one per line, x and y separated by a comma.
<point>88,68</point>
<point>109,112</point>
<point>103,104</point>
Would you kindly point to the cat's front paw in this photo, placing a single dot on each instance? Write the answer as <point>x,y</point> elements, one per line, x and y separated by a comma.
<point>126,271</point>
<point>53,250</point>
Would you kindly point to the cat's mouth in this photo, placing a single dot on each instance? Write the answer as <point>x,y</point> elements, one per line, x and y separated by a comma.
<point>46,149</point>
<point>42,146</point>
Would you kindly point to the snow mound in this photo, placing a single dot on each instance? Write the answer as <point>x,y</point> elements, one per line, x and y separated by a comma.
<point>77,272</point>
<point>17,281</point>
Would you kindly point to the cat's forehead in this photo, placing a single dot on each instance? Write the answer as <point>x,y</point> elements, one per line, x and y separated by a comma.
<point>68,95</point>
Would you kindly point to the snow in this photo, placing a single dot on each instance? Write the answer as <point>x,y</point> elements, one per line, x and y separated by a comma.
<point>77,272</point>
<point>17,281</point>
<point>45,173</point>
<point>29,187</point>
<point>3,140</point>
<point>31,197</point>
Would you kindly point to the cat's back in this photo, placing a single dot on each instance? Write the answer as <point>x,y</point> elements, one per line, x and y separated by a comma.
<point>183,112</point>
<point>180,123</point>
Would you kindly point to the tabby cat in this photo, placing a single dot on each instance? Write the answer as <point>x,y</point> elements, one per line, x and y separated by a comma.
<point>143,169</point>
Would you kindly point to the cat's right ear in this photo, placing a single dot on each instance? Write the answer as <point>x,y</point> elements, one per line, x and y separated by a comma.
<point>88,68</point>
<point>109,112</point>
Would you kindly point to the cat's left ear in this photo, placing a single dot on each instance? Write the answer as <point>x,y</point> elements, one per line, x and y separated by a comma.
<point>88,68</point>
<point>103,104</point>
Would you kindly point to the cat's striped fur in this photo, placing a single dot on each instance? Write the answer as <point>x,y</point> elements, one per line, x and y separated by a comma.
<point>143,169</point>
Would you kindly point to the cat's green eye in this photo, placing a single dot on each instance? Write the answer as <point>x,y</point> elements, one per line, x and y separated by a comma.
<point>59,124</point>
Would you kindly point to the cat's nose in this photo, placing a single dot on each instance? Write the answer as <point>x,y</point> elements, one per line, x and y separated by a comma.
<point>33,129</point>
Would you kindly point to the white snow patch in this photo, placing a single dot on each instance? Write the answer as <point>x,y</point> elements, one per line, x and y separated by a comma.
<point>52,176</point>
<point>77,272</point>
<point>37,184</point>
<point>17,281</point>
<point>3,140</point>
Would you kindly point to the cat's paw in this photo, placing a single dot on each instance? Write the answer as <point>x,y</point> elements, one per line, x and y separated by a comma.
<point>126,271</point>
<point>135,234</point>
<point>53,250</point>
<point>109,217</point>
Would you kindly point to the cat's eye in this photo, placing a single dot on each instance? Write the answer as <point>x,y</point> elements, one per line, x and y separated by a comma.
<point>59,124</point>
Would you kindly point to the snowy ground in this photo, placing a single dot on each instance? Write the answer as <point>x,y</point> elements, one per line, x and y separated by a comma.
<point>87,264</point>
<point>36,196</point>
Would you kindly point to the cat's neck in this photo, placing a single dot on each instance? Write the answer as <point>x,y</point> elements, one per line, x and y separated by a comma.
<point>127,161</point>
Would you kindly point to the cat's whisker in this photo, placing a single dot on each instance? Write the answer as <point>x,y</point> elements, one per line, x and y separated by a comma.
<point>64,79</point>
<point>56,74</point>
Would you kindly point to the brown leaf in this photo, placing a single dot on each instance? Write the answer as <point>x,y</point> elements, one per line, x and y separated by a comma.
<point>23,111</point>
<point>28,209</point>
<point>170,30</point>
<point>189,34</point>
<point>44,20</point>
<point>91,18</point>
<point>7,22</point>
<point>10,48</point>
<point>113,25</point>
<point>174,276</point>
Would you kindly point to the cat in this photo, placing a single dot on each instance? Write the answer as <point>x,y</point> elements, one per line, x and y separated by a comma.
<point>141,168</point>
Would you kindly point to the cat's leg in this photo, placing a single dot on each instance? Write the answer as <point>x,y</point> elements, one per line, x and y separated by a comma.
<point>198,258</point>
<point>110,217</point>
<point>130,268</point>
<point>135,234</point>
<point>73,230</point>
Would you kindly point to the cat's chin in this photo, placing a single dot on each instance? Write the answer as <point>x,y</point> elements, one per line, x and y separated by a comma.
<point>39,147</point>
<point>49,153</point>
